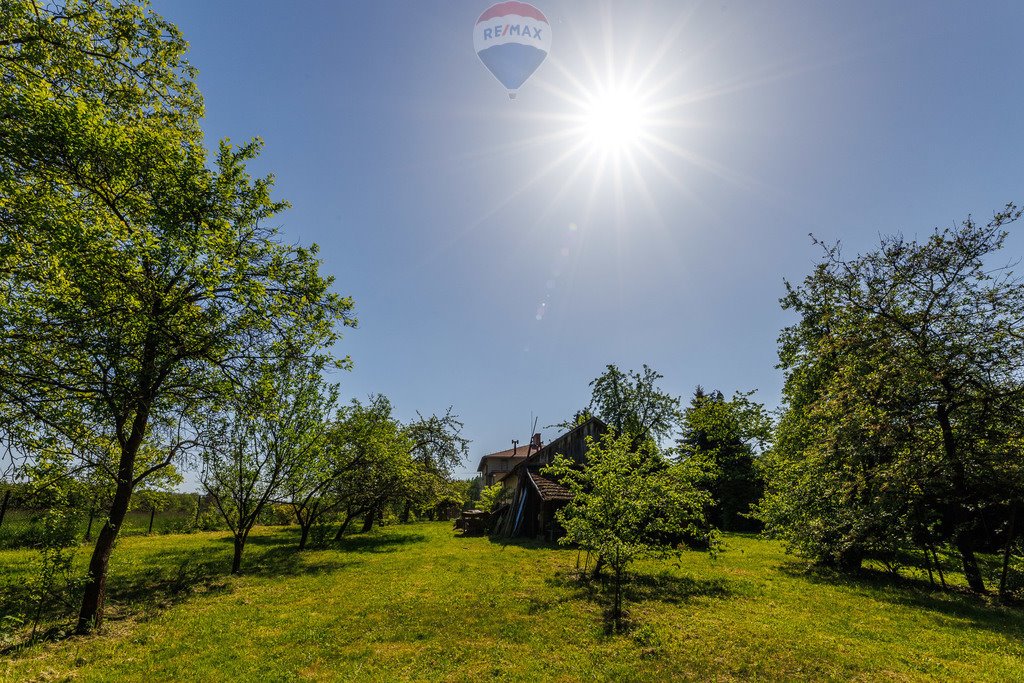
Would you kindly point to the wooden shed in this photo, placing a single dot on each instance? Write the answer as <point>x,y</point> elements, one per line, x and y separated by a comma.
<point>531,513</point>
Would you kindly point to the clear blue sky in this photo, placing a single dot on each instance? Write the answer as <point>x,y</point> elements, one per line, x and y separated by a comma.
<point>447,211</point>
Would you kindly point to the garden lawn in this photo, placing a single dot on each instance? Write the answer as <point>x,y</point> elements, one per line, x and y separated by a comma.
<point>419,602</point>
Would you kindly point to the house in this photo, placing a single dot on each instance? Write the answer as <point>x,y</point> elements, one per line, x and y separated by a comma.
<point>536,497</point>
<point>495,467</point>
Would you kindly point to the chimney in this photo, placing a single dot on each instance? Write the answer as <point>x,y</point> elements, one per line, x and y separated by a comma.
<point>536,443</point>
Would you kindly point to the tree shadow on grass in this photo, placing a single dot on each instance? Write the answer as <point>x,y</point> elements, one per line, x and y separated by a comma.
<point>524,543</point>
<point>178,576</point>
<point>135,591</point>
<point>981,611</point>
<point>142,589</point>
<point>374,543</point>
<point>181,574</point>
<point>664,587</point>
<point>673,589</point>
<point>283,536</point>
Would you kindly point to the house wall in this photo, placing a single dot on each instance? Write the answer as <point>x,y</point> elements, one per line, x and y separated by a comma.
<point>511,481</point>
<point>497,469</point>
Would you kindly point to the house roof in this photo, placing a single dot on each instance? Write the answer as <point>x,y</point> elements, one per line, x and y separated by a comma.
<point>517,454</point>
<point>547,489</point>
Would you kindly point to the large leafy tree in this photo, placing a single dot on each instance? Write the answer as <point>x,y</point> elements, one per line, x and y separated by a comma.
<point>438,447</point>
<point>135,281</point>
<point>632,404</point>
<point>310,486</point>
<point>376,449</point>
<point>903,398</point>
<point>724,437</point>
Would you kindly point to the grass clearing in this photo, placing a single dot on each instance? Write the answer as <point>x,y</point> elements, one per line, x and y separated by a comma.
<point>22,528</point>
<point>417,602</point>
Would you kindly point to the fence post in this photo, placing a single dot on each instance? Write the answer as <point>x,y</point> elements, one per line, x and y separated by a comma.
<point>3,507</point>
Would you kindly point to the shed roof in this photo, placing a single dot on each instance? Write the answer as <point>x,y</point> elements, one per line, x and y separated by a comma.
<point>547,489</point>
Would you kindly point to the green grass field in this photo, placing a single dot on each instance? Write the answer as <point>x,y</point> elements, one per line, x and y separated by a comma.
<point>22,527</point>
<point>418,602</point>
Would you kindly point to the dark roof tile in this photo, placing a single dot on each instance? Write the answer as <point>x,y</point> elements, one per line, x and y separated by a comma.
<point>549,490</point>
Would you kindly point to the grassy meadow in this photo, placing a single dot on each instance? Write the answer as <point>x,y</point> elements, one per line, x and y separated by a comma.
<point>20,527</point>
<point>415,602</point>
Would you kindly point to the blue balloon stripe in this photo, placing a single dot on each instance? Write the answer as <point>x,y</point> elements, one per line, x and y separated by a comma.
<point>512,63</point>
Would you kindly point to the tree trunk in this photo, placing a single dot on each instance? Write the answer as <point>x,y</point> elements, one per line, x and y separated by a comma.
<point>368,520</point>
<point>617,604</point>
<point>236,561</point>
<point>199,508</point>
<point>850,560</point>
<point>88,529</point>
<point>971,571</point>
<point>344,525</point>
<point>1011,534</point>
<point>963,543</point>
<point>928,565</point>
<point>938,568</point>
<point>91,614</point>
<point>3,506</point>
<point>304,536</point>
<point>598,566</point>
<point>406,510</point>
<point>152,516</point>
<point>617,607</point>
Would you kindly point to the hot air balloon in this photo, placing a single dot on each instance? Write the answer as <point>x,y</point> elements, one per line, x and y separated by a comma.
<point>512,39</point>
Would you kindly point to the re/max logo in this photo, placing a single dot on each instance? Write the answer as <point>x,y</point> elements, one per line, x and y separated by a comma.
<point>512,30</point>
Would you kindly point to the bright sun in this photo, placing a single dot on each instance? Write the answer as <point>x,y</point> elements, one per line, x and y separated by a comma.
<point>614,120</point>
<point>615,126</point>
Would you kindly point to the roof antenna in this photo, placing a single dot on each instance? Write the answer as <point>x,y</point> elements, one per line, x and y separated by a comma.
<point>532,431</point>
<point>515,445</point>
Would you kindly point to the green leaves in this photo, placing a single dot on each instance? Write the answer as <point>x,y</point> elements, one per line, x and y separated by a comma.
<point>491,497</point>
<point>903,394</point>
<point>719,438</point>
<point>631,403</point>
<point>269,431</point>
<point>628,501</point>
<point>135,280</point>
<point>138,286</point>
